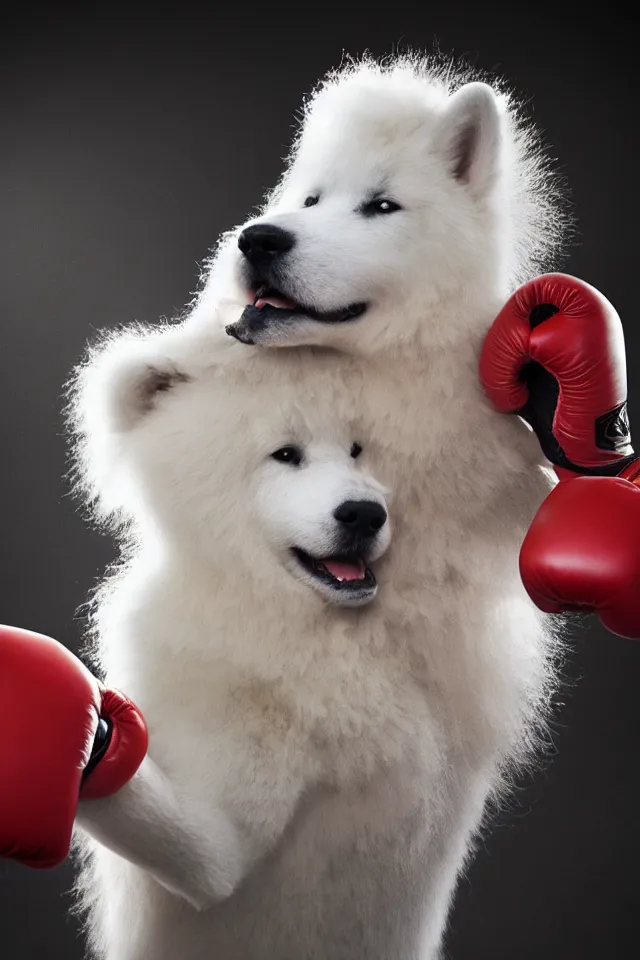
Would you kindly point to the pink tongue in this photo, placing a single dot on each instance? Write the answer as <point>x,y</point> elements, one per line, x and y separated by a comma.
<point>345,571</point>
<point>281,303</point>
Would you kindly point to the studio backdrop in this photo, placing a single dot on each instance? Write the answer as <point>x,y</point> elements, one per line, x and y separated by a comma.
<point>128,145</point>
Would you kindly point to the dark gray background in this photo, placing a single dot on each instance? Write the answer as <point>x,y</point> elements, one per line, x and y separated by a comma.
<point>128,145</point>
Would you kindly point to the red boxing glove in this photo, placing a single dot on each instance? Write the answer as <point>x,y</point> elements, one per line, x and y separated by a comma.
<point>582,551</point>
<point>62,735</point>
<point>555,356</point>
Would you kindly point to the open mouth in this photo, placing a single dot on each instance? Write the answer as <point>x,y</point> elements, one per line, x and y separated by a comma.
<point>268,298</point>
<point>271,317</point>
<point>347,575</point>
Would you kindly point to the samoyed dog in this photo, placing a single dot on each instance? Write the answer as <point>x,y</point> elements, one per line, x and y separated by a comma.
<point>331,709</point>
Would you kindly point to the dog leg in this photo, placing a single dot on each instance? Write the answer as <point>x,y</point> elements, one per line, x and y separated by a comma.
<point>147,824</point>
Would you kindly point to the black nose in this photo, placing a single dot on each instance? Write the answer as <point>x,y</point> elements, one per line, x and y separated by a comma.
<point>264,242</point>
<point>362,517</point>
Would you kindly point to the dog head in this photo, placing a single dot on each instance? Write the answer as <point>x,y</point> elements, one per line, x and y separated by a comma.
<point>400,199</point>
<point>193,454</point>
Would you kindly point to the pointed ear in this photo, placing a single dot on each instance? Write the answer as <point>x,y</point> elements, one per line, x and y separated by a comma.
<point>110,393</point>
<point>123,378</point>
<point>469,136</point>
<point>133,388</point>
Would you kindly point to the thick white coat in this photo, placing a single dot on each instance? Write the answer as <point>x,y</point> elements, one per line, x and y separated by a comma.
<point>316,775</point>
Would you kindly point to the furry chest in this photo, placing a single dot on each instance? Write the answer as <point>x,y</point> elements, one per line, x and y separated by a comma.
<point>252,741</point>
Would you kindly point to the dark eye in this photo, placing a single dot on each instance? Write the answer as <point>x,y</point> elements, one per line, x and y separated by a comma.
<point>356,450</point>
<point>379,206</point>
<point>290,455</point>
<point>311,201</point>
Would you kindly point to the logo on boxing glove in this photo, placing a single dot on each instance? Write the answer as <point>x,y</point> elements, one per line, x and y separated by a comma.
<point>613,431</point>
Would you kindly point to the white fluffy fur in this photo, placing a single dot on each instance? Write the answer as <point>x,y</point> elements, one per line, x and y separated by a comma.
<point>316,775</point>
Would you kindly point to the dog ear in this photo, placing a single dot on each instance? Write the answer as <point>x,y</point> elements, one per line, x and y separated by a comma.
<point>122,378</point>
<point>116,387</point>
<point>469,135</point>
<point>133,389</point>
